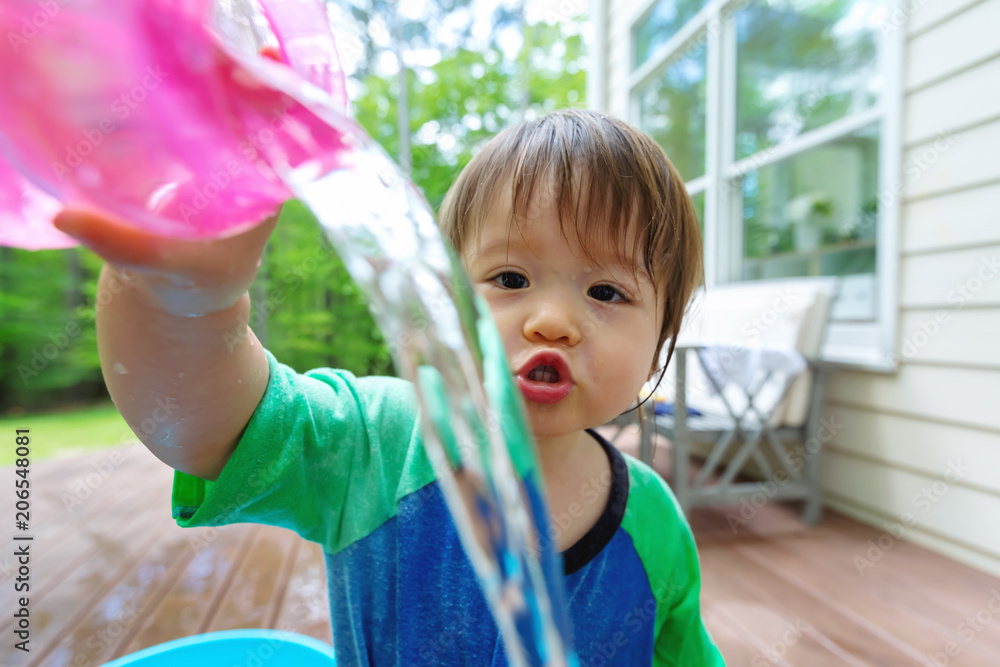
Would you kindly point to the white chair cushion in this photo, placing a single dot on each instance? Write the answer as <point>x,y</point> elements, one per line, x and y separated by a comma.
<point>785,314</point>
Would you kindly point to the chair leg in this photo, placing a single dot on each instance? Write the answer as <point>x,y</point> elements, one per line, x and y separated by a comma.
<point>813,511</point>
<point>647,428</point>
<point>680,454</point>
<point>680,457</point>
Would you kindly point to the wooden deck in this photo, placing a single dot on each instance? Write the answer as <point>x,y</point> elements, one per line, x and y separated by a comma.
<point>111,573</point>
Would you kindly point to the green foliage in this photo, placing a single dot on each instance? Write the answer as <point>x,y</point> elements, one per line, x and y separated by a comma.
<point>48,350</point>
<point>306,309</point>
<point>457,104</point>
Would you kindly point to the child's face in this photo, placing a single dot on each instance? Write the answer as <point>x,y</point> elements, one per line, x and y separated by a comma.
<point>598,323</point>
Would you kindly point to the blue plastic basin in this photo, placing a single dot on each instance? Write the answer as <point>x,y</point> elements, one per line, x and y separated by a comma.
<point>234,648</point>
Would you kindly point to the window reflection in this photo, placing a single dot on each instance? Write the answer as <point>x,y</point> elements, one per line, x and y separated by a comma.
<point>666,18</point>
<point>815,213</point>
<point>672,111</point>
<point>802,64</point>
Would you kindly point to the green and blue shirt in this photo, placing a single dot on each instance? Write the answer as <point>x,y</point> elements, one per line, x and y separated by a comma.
<point>339,460</point>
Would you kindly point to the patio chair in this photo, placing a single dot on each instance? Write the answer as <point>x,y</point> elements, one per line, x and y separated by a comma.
<point>741,419</point>
<point>234,647</point>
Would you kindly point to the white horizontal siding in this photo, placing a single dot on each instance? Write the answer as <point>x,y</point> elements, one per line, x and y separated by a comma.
<point>957,102</point>
<point>931,503</point>
<point>948,546</point>
<point>923,14</point>
<point>961,278</point>
<point>962,396</point>
<point>962,41</point>
<point>956,337</point>
<point>915,444</point>
<point>962,219</point>
<point>961,160</point>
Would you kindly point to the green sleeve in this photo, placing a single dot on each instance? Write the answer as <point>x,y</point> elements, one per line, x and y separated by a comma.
<point>324,454</point>
<point>663,539</point>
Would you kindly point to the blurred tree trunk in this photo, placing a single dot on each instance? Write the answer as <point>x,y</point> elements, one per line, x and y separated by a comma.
<point>7,352</point>
<point>402,102</point>
<point>524,61</point>
<point>74,277</point>
<point>258,297</point>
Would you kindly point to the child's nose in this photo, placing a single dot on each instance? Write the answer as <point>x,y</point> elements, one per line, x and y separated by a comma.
<point>553,320</point>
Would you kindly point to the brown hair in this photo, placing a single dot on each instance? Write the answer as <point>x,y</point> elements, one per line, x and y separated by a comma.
<point>606,177</point>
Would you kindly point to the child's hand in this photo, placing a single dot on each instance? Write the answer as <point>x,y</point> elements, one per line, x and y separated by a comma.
<point>179,277</point>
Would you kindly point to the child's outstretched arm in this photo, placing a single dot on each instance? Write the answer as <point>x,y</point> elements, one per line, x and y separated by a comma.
<point>177,354</point>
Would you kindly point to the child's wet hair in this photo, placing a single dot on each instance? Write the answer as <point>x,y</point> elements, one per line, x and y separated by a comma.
<point>606,178</point>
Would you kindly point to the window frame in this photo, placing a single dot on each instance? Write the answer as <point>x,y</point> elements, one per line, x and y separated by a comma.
<point>869,344</point>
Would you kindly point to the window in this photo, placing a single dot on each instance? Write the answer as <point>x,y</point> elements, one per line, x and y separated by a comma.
<point>672,111</point>
<point>782,117</point>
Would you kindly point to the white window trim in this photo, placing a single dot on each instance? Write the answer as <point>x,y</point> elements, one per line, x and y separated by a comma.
<point>866,345</point>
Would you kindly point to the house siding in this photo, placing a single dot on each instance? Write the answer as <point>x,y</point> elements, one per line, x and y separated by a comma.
<point>904,432</point>
<point>917,452</point>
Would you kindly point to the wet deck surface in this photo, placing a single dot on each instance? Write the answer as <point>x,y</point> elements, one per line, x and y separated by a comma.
<point>111,573</point>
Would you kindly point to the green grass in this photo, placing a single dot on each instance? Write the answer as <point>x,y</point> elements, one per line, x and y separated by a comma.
<point>79,430</point>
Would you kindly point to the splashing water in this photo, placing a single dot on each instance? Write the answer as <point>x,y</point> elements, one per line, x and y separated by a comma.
<point>475,434</point>
<point>443,337</point>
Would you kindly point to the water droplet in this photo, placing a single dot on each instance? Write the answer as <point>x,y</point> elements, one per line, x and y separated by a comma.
<point>180,375</point>
<point>120,369</point>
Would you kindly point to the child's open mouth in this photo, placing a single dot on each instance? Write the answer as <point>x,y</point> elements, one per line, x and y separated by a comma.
<point>545,378</point>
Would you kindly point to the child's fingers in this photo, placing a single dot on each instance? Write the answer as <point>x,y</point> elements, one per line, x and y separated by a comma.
<point>123,244</point>
<point>115,241</point>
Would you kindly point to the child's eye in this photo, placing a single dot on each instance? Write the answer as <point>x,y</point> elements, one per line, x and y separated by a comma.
<point>510,280</point>
<point>606,293</point>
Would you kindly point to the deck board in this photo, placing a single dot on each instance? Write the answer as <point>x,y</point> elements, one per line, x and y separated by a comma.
<point>113,573</point>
